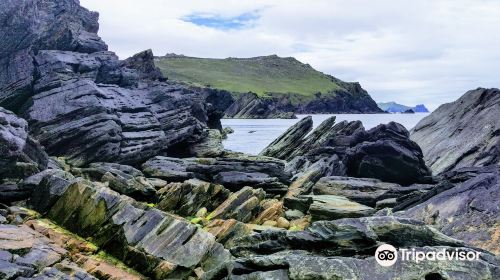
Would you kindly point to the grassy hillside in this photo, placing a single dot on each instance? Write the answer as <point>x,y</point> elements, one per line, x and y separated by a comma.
<point>261,75</point>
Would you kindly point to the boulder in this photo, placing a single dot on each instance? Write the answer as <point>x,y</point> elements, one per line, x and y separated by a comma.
<point>251,106</point>
<point>20,155</point>
<point>210,146</point>
<point>234,180</point>
<point>467,211</point>
<point>242,205</point>
<point>463,133</point>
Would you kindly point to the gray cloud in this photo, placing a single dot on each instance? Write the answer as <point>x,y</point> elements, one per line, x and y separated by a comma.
<point>411,52</point>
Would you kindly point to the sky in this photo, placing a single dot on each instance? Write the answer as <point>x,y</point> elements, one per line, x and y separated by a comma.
<point>412,52</point>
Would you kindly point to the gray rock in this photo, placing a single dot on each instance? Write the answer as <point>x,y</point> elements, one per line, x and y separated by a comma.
<point>236,171</point>
<point>463,133</point>
<point>211,146</point>
<point>286,144</point>
<point>46,187</point>
<point>187,198</point>
<point>345,237</point>
<point>121,178</point>
<point>251,106</point>
<point>301,266</point>
<point>242,205</point>
<point>293,214</point>
<point>366,191</point>
<point>467,211</point>
<point>20,155</point>
<point>331,207</point>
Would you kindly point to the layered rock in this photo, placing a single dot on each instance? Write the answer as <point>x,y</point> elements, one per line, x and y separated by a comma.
<point>20,155</point>
<point>233,172</point>
<point>468,210</point>
<point>251,106</point>
<point>80,100</point>
<point>463,133</point>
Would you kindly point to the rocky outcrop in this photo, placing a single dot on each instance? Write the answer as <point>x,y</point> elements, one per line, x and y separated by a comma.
<point>283,146</point>
<point>156,243</point>
<point>80,100</point>
<point>463,133</point>
<point>232,172</point>
<point>20,155</point>
<point>347,149</point>
<point>251,106</point>
<point>468,210</point>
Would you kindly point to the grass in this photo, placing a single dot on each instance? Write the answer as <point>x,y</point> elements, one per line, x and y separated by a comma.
<point>265,76</point>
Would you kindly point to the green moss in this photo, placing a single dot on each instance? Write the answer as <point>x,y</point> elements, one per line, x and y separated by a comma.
<point>266,76</point>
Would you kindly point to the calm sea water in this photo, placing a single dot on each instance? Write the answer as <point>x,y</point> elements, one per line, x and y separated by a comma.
<point>252,136</point>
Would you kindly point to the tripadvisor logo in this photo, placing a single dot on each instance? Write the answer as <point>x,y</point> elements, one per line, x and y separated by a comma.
<point>387,255</point>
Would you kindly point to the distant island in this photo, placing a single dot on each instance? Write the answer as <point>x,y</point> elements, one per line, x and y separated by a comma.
<point>269,86</point>
<point>393,107</point>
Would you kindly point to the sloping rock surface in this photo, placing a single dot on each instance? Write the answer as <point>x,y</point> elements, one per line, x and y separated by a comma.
<point>463,133</point>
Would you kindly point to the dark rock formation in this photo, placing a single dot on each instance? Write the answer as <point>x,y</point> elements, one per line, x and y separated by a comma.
<point>80,100</point>
<point>251,106</point>
<point>463,133</point>
<point>233,172</point>
<point>120,178</point>
<point>468,210</point>
<point>286,144</point>
<point>384,152</point>
<point>20,155</point>
<point>157,243</point>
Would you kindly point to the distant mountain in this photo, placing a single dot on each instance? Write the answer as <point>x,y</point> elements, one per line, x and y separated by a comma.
<point>269,86</point>
<point>393,107</point>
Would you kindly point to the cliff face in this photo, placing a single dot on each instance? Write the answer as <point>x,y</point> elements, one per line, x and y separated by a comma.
<point>474,117</point>
<point>80,100</point>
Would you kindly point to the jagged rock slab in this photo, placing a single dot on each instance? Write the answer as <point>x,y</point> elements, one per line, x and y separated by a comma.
<point>366,191</point>
<point>251,106</point>
<point>120,178</point>
<point>158,244</point>
<point>20,155</point>
<point>242,205</point>
<point>463,133</point>
<point>300,266</point>
<point>467,211</point>
<point>236,172</point>
<point>187,198</point>
<point>345,237</point>
<point>332,207</point>
<point>286,144</point>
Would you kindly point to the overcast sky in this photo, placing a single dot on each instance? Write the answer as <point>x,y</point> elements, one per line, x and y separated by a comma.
<point>410,52</point>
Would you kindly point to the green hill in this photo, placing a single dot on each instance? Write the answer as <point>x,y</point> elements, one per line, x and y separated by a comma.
<point>265,75</point>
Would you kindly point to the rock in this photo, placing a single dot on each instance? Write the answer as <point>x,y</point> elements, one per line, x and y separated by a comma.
<point>300,203</point>
<point>227,231</point>
<point>81,101</point>
<point>345,237</point>
<point>233,172</point>
<point>366,191</point>
<point>300,266</point>
<point>210,146</point>
<point>388,155</point>
<point>234,180</point>
<point>300,224</point>
<point>463,133</point>
<point>20,155</point>
<point>138,235</point>
<point>286,144</point>
<point>386,203</point>
<point>467,211</point>
<point>331,207</point>
<point>270,224</point>
<point>282,223</point>
<point>250,106</point>
<point>46,187</point>
<point>242,205</point>
<point>187,198</point>
<point>121,178</point>
<point>293,214</point>
<point>202,213</point>
<point>272,213</point>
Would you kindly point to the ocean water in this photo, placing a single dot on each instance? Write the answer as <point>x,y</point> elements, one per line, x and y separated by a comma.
<point>252,136</point>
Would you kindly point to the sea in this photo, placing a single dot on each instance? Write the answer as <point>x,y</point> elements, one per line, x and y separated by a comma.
<point>251,136</point>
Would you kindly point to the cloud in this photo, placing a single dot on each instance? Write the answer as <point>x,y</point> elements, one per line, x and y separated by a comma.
<point>245,20</point>
<point>411,52</point>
